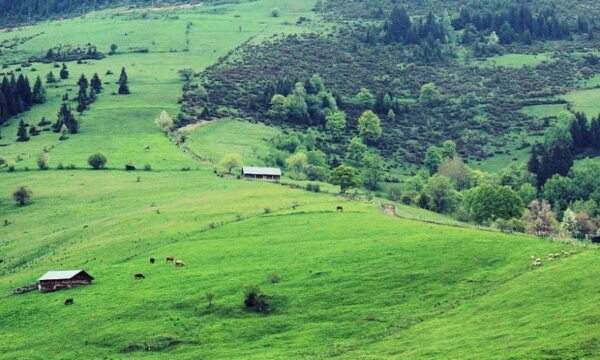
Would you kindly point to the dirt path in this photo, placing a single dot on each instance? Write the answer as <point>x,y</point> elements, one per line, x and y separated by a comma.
<point>195,125</point>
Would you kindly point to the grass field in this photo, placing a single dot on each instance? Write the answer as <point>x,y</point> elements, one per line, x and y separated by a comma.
<point>356,284</point>
<point>543,111</point>
<point>516,60</point>
<point>587,101</point>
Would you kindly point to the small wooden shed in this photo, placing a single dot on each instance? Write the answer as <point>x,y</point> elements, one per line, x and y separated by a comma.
<point>261,173</point>
<point>58,280</point>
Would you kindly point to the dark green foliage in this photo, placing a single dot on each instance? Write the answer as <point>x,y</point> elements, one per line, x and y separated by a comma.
<point>487,203</point>
<point>256,300</point>
<point>66,118</point>
<point>39,93</point>
<point>22,132</point>
<point>96,83</point>
<point>64,72</point>
<point>22,195</point>
<point>123,83</point>
<point>345,176</point>
<point>97,161</point>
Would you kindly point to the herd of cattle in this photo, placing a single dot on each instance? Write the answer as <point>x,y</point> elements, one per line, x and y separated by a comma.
<point>170,259</point>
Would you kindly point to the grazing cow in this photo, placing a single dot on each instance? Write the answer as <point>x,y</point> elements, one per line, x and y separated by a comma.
<point>139,276</point>
<point>69,301</point>
<point>339,208</point>
<point>179,263</point>
<point>170,259</point>
<point>152,260</point>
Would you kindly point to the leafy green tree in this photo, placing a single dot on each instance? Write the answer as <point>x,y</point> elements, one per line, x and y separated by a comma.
<point>559,191</point>
<point>373,170</point>
<point>22,132</point>
<point>454,168</point>
<point>449,149</point>
<point>433,159</point>
<point>365,99</point>
<point>441,195</point>
<point>559,133</point>
<point>231,161</point>
<point>97,161</point>
<point>345,176</point>
<point>275,12</point>
<point>430,96</point>
<point>336,124</point>
<point>277,108</point>
<point>369,126</point>
<point>486,203</point>
<point>296,162</point>
<point>316,158</point>
<point>356,149</point>
<point>295,104</point>
<point>527,193</point>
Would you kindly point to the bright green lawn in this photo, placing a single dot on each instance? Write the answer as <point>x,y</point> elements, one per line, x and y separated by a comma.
<point>587,101</point>
<point>215,139</point>
<point>543,111</point>
<point>517,60</point>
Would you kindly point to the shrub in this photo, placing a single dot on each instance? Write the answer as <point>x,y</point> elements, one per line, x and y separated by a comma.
<point>22,195</point>
<point>42,161</point>
<point>130,167</point>
<point>275,12</point>
<point>11,166</point>
<point>147,167</point>
<point>60,166</point>
<point>97,161</point>
<point>314,187</point>
<point>267,211</point>
<point>255,299</point>
<point>2,162</point>
<point>274,278</point>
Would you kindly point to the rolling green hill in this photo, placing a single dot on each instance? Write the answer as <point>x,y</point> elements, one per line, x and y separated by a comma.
<point>357,284</point>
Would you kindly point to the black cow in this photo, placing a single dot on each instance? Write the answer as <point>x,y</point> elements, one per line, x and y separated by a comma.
<point>69,301</point>
<point>139,276</point>
<point>152,260</point>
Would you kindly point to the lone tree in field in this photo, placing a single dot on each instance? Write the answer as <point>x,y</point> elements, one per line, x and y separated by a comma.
<point>123,80</point>
<point>164,121</point>
<point>22,195</point>
<point>113,48</point>
<point>230,162</point>
<point>64,73</point>
<point>186,74</point>
<point>22,132</point>
<point>346,177</point>
<point>97,161</point>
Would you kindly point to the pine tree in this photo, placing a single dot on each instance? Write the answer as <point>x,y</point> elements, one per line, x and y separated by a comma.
<point>50,79</point>
<point>39,93</point>
<point>22,132</point>
<point>66,118</point>
<point>64,72</point>
<point>123,87</point>
<point>82,98</point>
<point>96,84</point>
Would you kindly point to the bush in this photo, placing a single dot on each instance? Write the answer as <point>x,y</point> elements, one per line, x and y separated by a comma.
<point>2,162</point>
<point>60,166</point>
<point>11,166</point>
<point>314,187</point>
<point>275,12</point>
<point>130,167</point>
<point>97,161</point>
<point>274,278</point>
<point>394,193</point>
<point>42,161</point>
<point>255,299</point>
<point>22,195</point>
<point>147,167</point>
<point>267,211</point>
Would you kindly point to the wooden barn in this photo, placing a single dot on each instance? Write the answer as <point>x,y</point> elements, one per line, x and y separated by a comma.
<point>58,280</point>
<point>261,173</point>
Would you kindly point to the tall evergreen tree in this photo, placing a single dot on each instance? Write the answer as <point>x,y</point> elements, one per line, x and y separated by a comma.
<point>22,132</point>
<point>123,87</point>
<point>82,97</point>
<point>64,72</point>
<point>39,93</point>
<point>50,79</point>
<point>24,91</point>
<point>96,83</point>
<point>66,118</point>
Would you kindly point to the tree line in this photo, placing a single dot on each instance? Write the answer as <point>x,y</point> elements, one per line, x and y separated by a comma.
<point>17,96</point>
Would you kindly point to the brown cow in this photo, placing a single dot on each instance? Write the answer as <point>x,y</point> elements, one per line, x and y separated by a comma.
<point>69,301</point>
<point>170,259</point>
<point>339,208</point>
<point>179,263</point>
<point>139,276</point>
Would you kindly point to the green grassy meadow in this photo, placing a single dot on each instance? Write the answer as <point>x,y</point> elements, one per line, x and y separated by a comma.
<point>356,284</point>
<point>516,60</point>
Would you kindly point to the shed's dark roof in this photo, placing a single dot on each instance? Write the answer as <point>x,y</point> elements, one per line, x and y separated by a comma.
<point>261,171</point>
<point>62,275</point>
